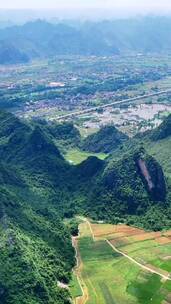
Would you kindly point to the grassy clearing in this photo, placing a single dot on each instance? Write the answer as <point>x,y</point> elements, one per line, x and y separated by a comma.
<point>75,156</point>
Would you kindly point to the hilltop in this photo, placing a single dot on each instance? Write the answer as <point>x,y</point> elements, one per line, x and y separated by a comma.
<point>106,140</point>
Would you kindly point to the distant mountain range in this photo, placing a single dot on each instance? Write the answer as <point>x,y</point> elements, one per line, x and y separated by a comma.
<point>40,39</point>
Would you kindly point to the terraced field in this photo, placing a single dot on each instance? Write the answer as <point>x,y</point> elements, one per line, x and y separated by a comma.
<point>122,264</point>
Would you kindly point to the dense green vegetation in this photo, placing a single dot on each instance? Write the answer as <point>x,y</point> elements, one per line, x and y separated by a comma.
<point>30,269</point>
<point>106,140</point>
<point>39,188</point>
<point>35,242</point>
<point>141,194</point>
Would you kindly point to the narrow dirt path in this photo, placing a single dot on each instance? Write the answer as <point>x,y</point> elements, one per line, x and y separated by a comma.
<point>91,230</point>
<point>137,263</point>
<point>78,263</point>
<point>78,269</point>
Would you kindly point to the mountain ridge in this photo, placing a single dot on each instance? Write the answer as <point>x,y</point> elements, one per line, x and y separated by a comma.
<point>40,39</point>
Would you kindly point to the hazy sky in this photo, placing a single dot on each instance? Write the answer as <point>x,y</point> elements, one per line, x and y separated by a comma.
<point>136,5</point>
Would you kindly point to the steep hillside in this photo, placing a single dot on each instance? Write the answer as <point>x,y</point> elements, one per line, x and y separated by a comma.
<point>34,241</point>
<point>9,124</point>
<point>106,140</point>
<point>38,189</point>
<point>136,181</point>
<point>161,151</point>
<point>129,188</point>
<point>89,168</point>
<point>64,131</point>
<point>163,131</point>
<point>158,143</point>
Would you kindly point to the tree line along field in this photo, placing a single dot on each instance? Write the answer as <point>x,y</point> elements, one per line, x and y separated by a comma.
<point>111,278</point>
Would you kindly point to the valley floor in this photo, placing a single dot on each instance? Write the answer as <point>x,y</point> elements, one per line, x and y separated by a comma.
<point>121,264</point>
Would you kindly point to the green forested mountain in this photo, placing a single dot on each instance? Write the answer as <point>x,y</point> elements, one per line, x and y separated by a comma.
<point>38,189</point>
<point>130,187</point>
<point>43,39</point>
<point>140,164</point>
<point>106,140</point>
<point>34,241</point>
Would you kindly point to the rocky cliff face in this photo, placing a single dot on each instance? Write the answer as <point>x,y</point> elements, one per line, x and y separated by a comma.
<point>152,175</point>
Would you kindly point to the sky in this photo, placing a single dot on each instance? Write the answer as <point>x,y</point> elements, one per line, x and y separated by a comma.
<point>80,9</point>
<point>135,5</point>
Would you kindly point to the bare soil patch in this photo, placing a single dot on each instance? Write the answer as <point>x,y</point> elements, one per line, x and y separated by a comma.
<point>146,236</point>
<point>167,258</point>
<point>167,233</point>
<point>163,240</point>
<point>117,230</point>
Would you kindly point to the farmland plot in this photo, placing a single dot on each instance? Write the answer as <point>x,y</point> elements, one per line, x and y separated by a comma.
<point>111,278</point>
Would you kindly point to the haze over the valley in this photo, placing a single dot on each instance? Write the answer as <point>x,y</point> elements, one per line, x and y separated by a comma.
<point>19,11</point>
